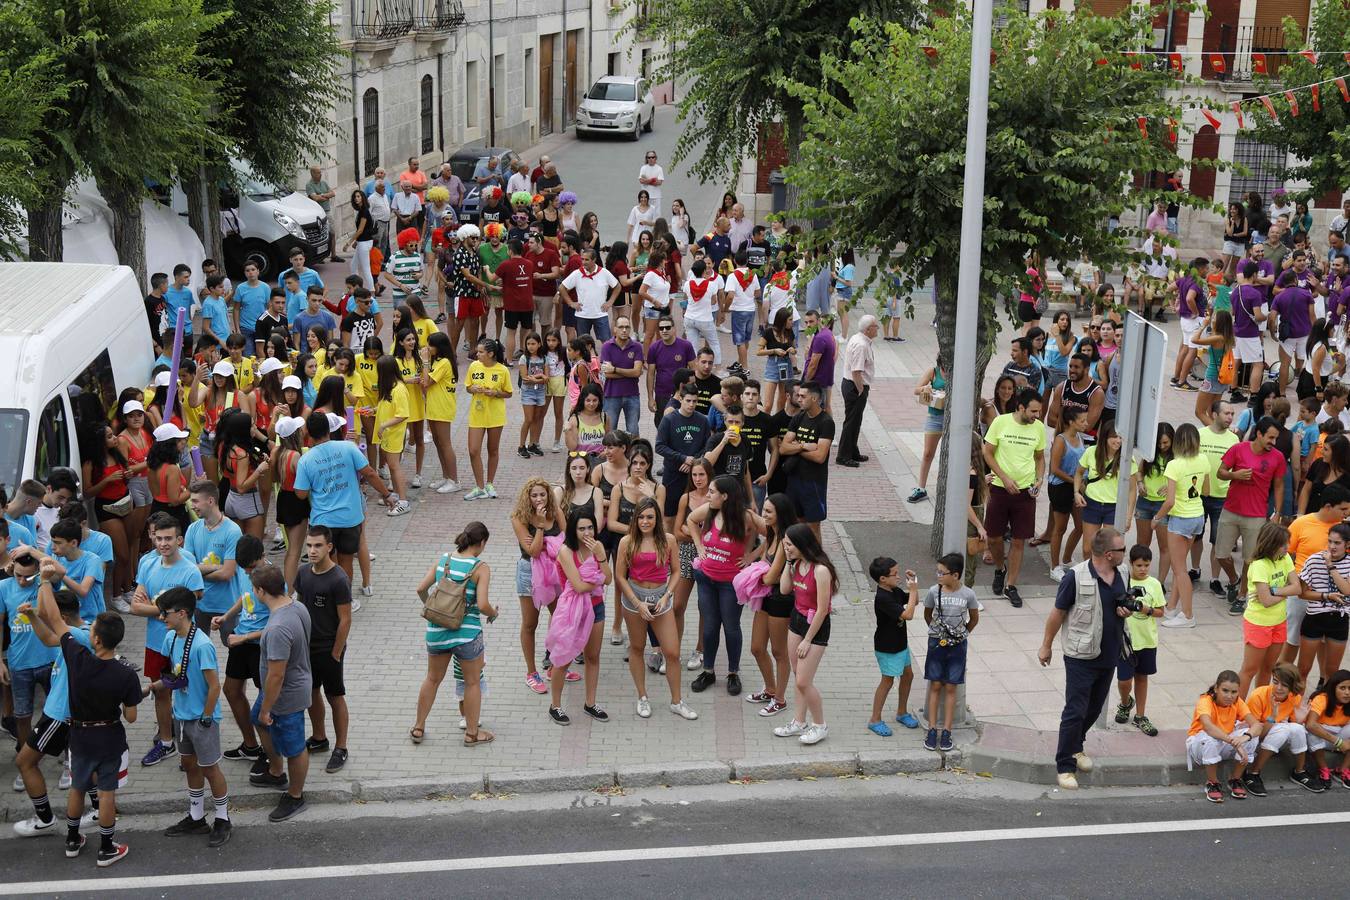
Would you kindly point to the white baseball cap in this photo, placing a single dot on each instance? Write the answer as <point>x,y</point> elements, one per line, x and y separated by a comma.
<point>336,422</point>
<point>162,379</point>
<point>169,432</point>
<point>224,369</point>
<point>132,406</point>
<point>293,382</point>
<point>289,425</point>
<point>270,365</point>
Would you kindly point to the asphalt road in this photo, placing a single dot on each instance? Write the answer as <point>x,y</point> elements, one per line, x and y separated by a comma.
<point>940,835</point>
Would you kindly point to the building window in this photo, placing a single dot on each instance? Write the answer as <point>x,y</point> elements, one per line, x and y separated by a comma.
<point>370,130</point>
<point>1263,163</point>
<point>529,78</point>
<point>471,94</point>
<point>499,85</point>
<point>644,70</point>
<point>613,67</point>
<point>428,117</point>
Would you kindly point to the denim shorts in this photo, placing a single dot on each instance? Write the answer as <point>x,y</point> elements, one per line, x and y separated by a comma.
<point>945,665</point>
<point>1098,513</point>
<point>1213,512</point>
<point>534,395</point>
<point>742,326</point>
<point>933,423</point>
<point>649,313</point>
<point>465,652</point>
<point>23,684</point>
<point>287,731</point>
<point>1188,526</point>
<point>777,368</point>
<point>1146,509</point>
<point>524,578</point>
<point>599,610</point>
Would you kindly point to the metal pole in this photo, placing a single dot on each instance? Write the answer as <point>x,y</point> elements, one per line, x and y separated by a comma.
<point>963,387</point>
<point>1127,412</point>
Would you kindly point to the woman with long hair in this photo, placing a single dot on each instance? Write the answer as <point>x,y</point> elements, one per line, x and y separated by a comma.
<point>724,532</point>
<point>241,467</point>
<point>642,570</point>
<point>589,232</point>
<point>292,511</point>
<point>1005,389</point>
<point>407,351</point>
<point>679,224</point>
<point>1060,344</point>
<point>1325,626</point>
<point>587,425</point>
<point>555,388</point>
<point>778,346</point>
<point>1271,579</point>
<point>1096,480</point>
<point>695,496</point>
<point>1322,361</point>
<point>933,392</point>
<point>812,579</point>
<point>362,240</point>
<point>537,515</point>
<point>637,485</point>
<point>268,397</point>
<point>489,384</point>
<point>1066,451</point>
<point>1333,467</point>
<point>463,644</point>
<point>640,218</point>
<point>723,209</point>
<point>391,428</point>
<point>364,363</point>
<point>581,545</point>
<point>580,368</point>
<point>1236,236</point>
<point>1183,513</point>
<point>575,491</point>
<point>168,482</point>
<point>135,440</point>
<point>769,630</point>
<point>331,396</point>
<point>439,376</point>
<point>1218,340</point>
<point>616,261</point>
<point>1328,724</point>
<point>103,472</point>
<point>1152,493</point>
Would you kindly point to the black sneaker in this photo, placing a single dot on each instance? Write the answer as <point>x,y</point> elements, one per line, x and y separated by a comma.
<point>558,716</point>
<point>1307,781</point>
<point>945,742</point>
<point>535,449</point>
<point>596,713</point>
<point>74,846</point>
<point>336,761</point>
<point>1236,605</point>
<point>522,453</point>
<point>704,681</point>
<point>999,577</point>
<point>268,780</point>
<point>734,684</point>
<point>187,825</point>
<point>221,829</point>
<point>318,746</point>
<point>112,855</point>
<point>1123,711</point>
<point>1194,575</point>
<point>1255,786</point>
<point>287,806</point>
<point>1014,598</point>
<point>440,318</point>
<point>243,751</point>
<point>1216,588</point>
<point>260,765</point>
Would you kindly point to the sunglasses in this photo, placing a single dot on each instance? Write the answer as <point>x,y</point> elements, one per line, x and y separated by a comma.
<point>664,327</point>
<point>576,454</point>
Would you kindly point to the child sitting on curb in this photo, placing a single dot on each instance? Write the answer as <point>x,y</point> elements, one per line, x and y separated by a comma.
<point>952,612</point>
<point>1329,726</point>
<point>890,641</point>
<point>1221,730</point>
<point>1280,726</point>
<point>1142,626</point>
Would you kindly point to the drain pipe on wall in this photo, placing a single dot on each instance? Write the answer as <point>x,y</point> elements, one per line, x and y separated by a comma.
<point>357,135</point>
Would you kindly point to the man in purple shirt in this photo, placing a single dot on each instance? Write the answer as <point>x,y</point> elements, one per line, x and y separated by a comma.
<point>1337,289</point>
<point>1249,310</point>
<point>1191,312</point>
<point>1293,308</point>
<point>621,364</point>
<point>664,358</point>
<point>820,355</point>
<point>1265,277</point>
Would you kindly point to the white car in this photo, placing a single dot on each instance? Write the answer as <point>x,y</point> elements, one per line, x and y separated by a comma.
<point>616,104</point>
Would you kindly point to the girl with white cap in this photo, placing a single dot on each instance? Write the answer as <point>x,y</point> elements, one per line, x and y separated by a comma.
<point>292,511</point>
<point>220,394</point>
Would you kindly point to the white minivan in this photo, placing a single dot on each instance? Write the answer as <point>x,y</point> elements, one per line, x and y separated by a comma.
<point>71,335</point>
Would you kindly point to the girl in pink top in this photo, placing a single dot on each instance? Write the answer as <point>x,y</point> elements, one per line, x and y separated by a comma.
<point>642,568</point>
<point>811,580</point>
<point>585,571</point>
<point>723,531</point>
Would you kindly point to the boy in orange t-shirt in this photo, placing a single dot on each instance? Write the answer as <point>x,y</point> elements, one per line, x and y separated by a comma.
<point>1222,730</point>
<point>1275,706</point>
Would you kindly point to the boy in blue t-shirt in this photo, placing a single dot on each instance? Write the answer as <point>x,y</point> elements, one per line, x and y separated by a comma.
<point>249,616</point>
<point>890,641</point>
<point>80,570</point>
<point>29,661</point>
<point>195,683</point>
<point>180,297</point>
<point>215,311</point>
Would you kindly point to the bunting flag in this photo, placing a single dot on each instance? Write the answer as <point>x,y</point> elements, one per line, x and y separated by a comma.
<point>1212,119</point>
<point>1175,60</point>
<point>1293,103</point>
<point>1136,64</point>
<point>1143,126</point>
<point>930,52</point>
<point>1172,131</point>
<point>1237,109</point>
<point>1347,58</point>
<point>1270,108</point>
<point>1309,55</point>
<point>1317,98</point>
<point>1345,93</point>
<point>1216,62</point>
<point>1101,61</point>
<point>1259,63</point>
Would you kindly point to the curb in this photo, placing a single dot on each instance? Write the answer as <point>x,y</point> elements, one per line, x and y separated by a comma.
<point>784,768</point>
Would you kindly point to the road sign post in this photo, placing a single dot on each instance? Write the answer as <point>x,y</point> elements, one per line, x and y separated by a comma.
<point>1143,358</point>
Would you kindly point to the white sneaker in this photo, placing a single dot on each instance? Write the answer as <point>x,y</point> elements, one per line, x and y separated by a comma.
<point>1067,780</point>
<point>644,708</point>
<point>1057,573</point>
<point>356,601</point>
<point>695,661</point>
<point>416,480</point>
<point>682,710</point>
<point>367,590</point>
<point>18,784</point>
<point>558,447</point>
<point>791,729</point>
<point>121,605</point>
<point>662,669</point>
<point>281,535</point>
<point>463,724</point>
<point>64,783</point>
<point>491,492</point>
<point>1171,613</point>
<point>476,494</point>
<point>724,329</point>
<point>448,486</point>
<point>814,734</point>
<point>1083,761</point>
<point>1179,621</point>
<point>35,827</point>
<point>401,508</point>
<point>426,436</point>
<point>89,819</point>
<point>372,557</point>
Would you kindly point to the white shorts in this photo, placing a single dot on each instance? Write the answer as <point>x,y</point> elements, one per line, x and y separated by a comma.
<point>1285,734</point>
<point>1249,350</point>
<point>1233,248</point>
<point>1317,743</point>
<point>1203,750</point>
<point>1295,348</point>
<point>1189,328</point>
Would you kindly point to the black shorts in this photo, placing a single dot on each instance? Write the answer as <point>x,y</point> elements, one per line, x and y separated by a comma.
<point>291,510</point>
<point>1061,497</point>
<point>178,513</point>
<point>49,737</point>
<point>798,625</point>
<point>243,662</point>
<point>327,673</point>
<point>346,541</point>
<point>778,605</point>
<point>514,319</point>
<point>1026,312</point>
<point>1325,627</point>
<point>809,498</point>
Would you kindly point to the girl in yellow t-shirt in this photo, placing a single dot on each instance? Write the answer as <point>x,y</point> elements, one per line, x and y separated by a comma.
<point>391,427</point>
<point>1221,730</point>
<point>1095,484</point>
<point>410,367</point>
<point>439,376</point>
<point>1270,579</point>
<point>421,322</point>
<point>370,354</point>
<point>489,383</point>
<point>1183,514</point>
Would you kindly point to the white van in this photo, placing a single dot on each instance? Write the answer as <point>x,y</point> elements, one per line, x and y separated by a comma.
<point>71,335</point>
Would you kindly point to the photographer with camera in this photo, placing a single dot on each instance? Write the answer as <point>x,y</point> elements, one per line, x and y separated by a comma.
<point>1093,642</point>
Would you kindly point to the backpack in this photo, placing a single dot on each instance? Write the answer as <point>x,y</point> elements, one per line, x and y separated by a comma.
<point>1228,369</point>
<point>447,601</point>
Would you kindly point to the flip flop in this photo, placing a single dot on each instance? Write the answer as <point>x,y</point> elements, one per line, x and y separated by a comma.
<point>417,734</point>
<point>1037,542</point>
<point>482,737</point>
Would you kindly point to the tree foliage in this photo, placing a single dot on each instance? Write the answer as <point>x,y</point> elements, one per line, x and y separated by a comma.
<point>29,92</point>
<point>1320,141</point>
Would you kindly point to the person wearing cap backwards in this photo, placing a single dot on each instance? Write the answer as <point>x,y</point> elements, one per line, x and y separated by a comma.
<point>329,476</point>
<point>168,483</point>
<point>220,394</point>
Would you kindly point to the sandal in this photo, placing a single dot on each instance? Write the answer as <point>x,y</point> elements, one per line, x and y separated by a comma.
<point>417,734</point>
<point>483,736</point>
<point>988,558</point>
<point>1037,541</point>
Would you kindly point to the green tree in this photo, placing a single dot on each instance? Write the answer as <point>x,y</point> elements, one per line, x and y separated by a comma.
<point>1319,140</point>
<point>132,99</point>
<point>883,155</point>
<point>736,60</point>
<point>29,91</point>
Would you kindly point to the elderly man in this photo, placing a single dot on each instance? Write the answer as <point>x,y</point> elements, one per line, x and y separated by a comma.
<point>859,367</point>
<point>538,171</point>
<point>550,183</point>
<point>741,227</point>
<point>318,190</point>
<point>520,178</point>
<point>378,198</point>
<point>488,173</point>
<point>447,179</point>
<point>407,207</point>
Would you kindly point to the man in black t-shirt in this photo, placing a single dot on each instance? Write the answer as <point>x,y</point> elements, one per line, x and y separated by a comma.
<point>322,586</point>
<point>271,322</point>
<point>807,448</point>
<point>778,429</point>
<point>154,308</point>
<point>890,641</point>
<point>706,382</point>
<point>729,451</point>
<point>359,324</point>
<point>757,432</point>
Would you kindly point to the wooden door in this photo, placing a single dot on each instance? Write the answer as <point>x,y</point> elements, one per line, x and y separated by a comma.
<point>546,84</point>
<point>573,89</point>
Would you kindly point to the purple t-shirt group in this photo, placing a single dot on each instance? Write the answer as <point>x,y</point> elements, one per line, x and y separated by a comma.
<point>1193,308</point>
<point>625,357</point>
<point>1247,298</point>
<point>667,358</point>
<point>823,343</point>
<point>1292,304</point>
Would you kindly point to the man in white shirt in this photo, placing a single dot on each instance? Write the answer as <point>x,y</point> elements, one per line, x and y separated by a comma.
<point>859,368</point>
<point>1159,260</point>
<point>591,291</point>
<point>520,179</point>
<point>377,198</point>
<point>651,176</point>
<point>1333,404</point>
<point>407,207</point>
<point>1341,223</point>
<point>742,293</point>
<point>703,290</point>
<point>741,227</point>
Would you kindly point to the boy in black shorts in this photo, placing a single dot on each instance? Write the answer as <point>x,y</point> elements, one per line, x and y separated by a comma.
<point>244,622</point>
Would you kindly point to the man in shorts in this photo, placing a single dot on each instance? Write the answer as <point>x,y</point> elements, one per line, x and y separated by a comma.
<point>241,627</point>
<point>1215,441</point>
<point>513,279</point>
<point>1014,451</point>
<point>194,680</point>
<point>166,568</point>
<point>1191,308</point>
<point>326,592</point>
<point>742,296</point>
<point>279,711</point>
<point>1249,311</point>
<point>28,661</point>
<point>806,446</point>
<point>211,541</point>
<point>1251,468</point>
<point>101,690</point>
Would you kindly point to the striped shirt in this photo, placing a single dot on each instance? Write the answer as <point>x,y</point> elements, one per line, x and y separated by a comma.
<point>1317,578</point>
<point>406,269</point>
<point>439,639</point>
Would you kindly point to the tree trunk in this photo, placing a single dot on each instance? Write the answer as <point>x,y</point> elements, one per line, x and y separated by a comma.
<point>45,241</point>
<point>195,187</point>
<point>794,130</point>
<point>124,199</point>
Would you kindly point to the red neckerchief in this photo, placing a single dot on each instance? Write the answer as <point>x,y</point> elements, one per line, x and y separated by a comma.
<point>782,281</point>
<point>592,274</point>
<point>698,288</point>
<point>744,277</point>
<point>659,273</point>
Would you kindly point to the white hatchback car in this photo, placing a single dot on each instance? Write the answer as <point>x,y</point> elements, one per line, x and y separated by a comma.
<point>616,104</point>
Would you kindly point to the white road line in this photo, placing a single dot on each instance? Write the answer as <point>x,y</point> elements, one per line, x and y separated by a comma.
<point>640,854</point>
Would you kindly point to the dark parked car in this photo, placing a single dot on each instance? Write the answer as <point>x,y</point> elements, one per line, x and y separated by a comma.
<point>464,162</point>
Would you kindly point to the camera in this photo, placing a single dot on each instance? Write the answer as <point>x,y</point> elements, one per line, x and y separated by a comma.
<point>1134,599</point>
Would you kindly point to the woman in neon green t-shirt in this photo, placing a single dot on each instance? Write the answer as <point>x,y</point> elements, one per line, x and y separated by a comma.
<point>1184,513</point>
<point>1096,482</point>
<point>1270,579</point>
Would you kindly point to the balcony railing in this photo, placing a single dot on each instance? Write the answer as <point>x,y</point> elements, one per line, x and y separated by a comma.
<point>388,19</point>
<point>1241,45</point>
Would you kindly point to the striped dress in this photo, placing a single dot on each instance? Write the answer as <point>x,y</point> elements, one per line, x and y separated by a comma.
<point>407,270</point>
<point>441,639</point>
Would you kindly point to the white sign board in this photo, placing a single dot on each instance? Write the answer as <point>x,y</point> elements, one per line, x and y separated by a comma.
<point>1142,365</point>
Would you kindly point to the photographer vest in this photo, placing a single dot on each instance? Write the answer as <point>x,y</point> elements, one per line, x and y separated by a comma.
<point>1081,636</point>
